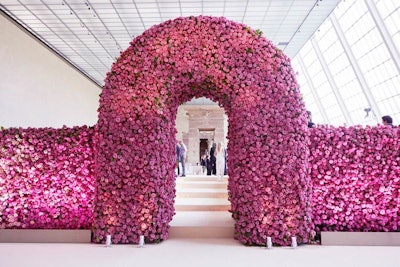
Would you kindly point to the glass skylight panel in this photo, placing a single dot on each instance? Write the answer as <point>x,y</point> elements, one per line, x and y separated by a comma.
<point>321,83</point>
<point>214,4</point>
<point>313,70</point>
<point>390,69</point>
<point>88,21</point>
<point>109,16</point>
<point>235,8</point>
<point>342,13</point>
<point>392,106</point>
<point>211,9</point>
<point>342,75</point>
<point>356,102</point>
<point>386,6</point>
<point>330,46</point>
<point>382,92</point>
<point>308,55</point>
<point>349,89</point>
<point>19,11</point>
<point>392,25</point>
<point>149,7</point>
<point>327,100</point>
<point>168,16</point>
<point>375,57</point>
<point>132,11</point>
<point>339,62</point>
<point>391,17</point>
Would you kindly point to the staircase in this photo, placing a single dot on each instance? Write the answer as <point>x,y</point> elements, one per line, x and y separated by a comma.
<point>202,208</point>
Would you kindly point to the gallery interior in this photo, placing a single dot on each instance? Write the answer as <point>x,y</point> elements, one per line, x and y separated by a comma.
<point>200,132</point>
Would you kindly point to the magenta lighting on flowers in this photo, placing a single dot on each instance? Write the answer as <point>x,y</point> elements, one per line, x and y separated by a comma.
<point>46,181</point>
<point>356,178</point>
<point>46,178</point>
<point>253,81</point>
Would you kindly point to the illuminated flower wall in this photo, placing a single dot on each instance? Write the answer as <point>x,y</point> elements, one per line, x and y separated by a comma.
<point>46,178</point>
<point>356,178</point>
<point>252,80</point>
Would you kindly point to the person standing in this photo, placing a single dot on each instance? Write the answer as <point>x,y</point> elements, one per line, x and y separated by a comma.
<point>203,163</point>
<point>178,149</point>
<point>209,165</point>
<point>387,120</point>
<point>182,157</point>
<point>310,123</point>
<point>220,161</point>
<point>226,157</point>
<point>213,159</point>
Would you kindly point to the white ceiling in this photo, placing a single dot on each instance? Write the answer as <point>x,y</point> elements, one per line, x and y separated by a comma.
<point>90,34</point>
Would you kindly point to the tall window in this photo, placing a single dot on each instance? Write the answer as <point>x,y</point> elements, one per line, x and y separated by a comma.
<point>360,61</point>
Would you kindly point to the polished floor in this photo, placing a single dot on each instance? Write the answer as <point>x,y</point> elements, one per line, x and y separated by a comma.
<point>200,235</point>
<point>202,252</point>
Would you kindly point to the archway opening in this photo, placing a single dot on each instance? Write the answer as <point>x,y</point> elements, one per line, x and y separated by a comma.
<point>201,203</point>
<point>199,123</point>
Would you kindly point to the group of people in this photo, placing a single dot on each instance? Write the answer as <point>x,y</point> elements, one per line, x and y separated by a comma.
<point>386,120</point>
<point>215,161</point>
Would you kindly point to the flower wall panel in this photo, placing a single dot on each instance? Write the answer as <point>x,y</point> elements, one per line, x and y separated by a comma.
<point>47,182</point>
<point>356,178</point>
<point>46,178</point>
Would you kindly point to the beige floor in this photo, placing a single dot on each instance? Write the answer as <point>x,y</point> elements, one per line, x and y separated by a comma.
<point>192,253</point>
<point>185,249</point>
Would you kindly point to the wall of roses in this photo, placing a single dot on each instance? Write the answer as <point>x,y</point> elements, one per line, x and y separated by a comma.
<point>47,178</point>
<point>355,173</point>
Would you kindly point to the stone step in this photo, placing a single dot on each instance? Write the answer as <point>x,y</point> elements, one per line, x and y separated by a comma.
<point>202,224</point>
<point>201,184</point>
<point>192,178</point>
<point>202,204</point>
<point>202,208</point>
<point>202,193</point>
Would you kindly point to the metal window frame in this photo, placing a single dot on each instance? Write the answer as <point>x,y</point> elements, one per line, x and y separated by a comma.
<point>387,38</point>
<point>312,88</point>
<point>331,82</point>
<point>366,90</point>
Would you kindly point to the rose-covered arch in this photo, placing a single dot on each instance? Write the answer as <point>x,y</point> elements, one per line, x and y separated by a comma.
<point>252,80</point>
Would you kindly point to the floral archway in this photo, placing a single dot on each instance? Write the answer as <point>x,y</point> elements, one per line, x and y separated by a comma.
<point>252,80</point>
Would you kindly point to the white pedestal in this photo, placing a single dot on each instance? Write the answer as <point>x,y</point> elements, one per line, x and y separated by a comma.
<point>360,238</point>
<point>44,236</point>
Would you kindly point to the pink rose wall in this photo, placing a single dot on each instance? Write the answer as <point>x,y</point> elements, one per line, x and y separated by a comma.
<point>46,178</point>
<point>356,178</point>
<point>119,179</point>
<point>47,181</point>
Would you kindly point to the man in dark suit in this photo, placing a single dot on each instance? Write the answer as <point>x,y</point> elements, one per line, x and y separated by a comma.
<point>213,159</point>
<point>178,152</point>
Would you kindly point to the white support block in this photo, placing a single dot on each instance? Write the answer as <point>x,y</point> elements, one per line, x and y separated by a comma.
<point>360,238</point>
<point>44,236</point>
